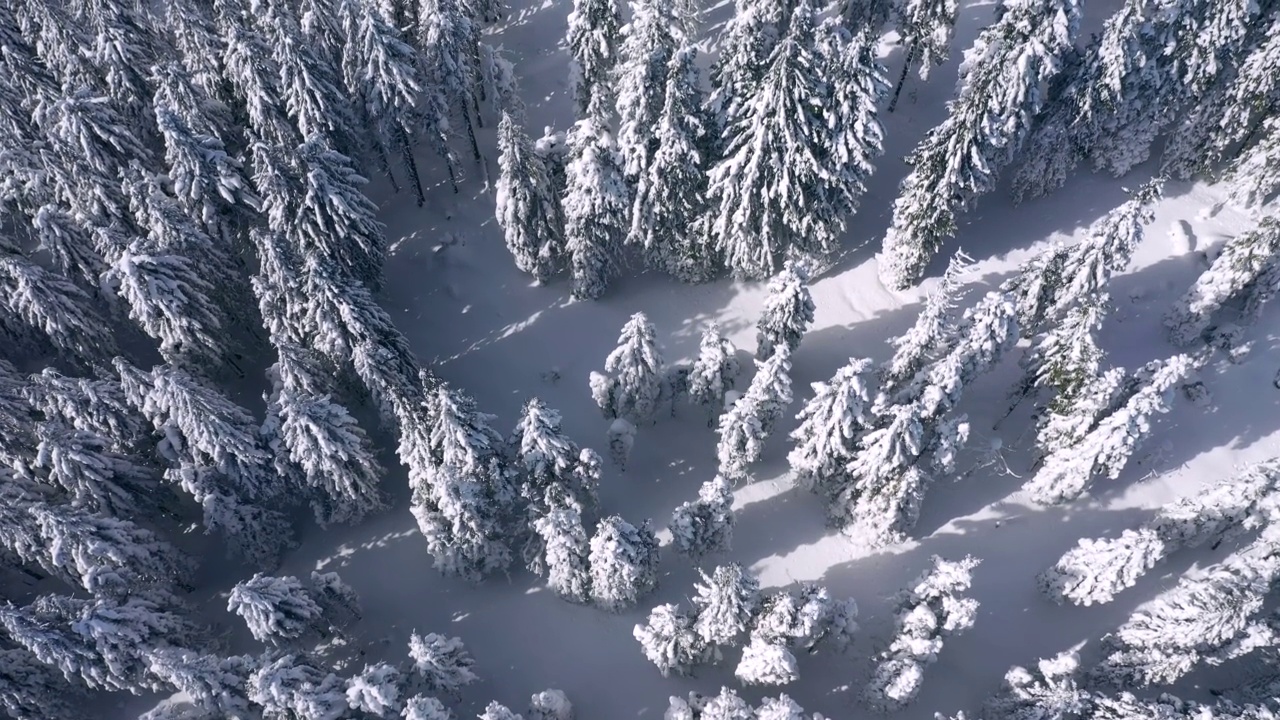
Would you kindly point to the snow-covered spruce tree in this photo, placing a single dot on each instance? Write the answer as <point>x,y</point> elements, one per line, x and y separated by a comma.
<point>547,458</point>
<point>1208,617</point>
<point>1255,175</point>
<point>1068,274</point>
<point>987,122</point>
<point>593,37</point>
<point>796,121</point>
<point>565,552</point>
<point>635,372</point>
<point>375,690</point>
<point>856,87</point>
<point>212,428</point>
<point>528,209</point>
<point>831,424</point>
<point>253,78</point>
<point>1067,358</point>
<point>102,643</point>
<point>278,610</point>
<point>668,640</point>
<point>498,711</point>
<point>1240,273</point>
<point>291,686</point>
<point>806,619</point>
<point>714,373</point>
<point>928,612</point>
<point>337,600</point>
<point>624,563</point>
<point>726,706</point>
<point>932,335</point>
<point>336,223</point>
<point>671,191</point>
<point>93,477</point>
<point>47,312</point>
<point>925,29</point>
<point>596,206</point>
<point>32,690</point>
<point>728,601</point>
<point>1061,427</point>
<point>93,405</point>
<point>421,707</point>
<point>69,245</point>
<point>107,556</point>
<point>1068,471</point>
<point>443,663</point>
<point>766,663</point>
<point>1049,690</point>
<point>888,476</point>
<point>449,40</point>
<point>1114,76</point>
<point>214,683</point>
<point>788,310</point>
<point>1096,569</point>
<point>704,526</point>
<point>550,704</point>
<point>385,73</point>
<point>640,80</point>
<point>744,428</point>
<point>745,43</point>
<point>310,86</point>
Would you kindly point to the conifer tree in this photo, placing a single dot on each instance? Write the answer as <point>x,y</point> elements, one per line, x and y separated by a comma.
<point>925,29</point>
<point>336,222</point>
<point>757,212</point>
<point>927,613</point>
<point>595,28</point>
<point>97,406</point>
<point>217,684</point>
<point>384,71</point>
<point>714,373</point>
<point>1241,272</point>
<point>49,310</point>
<point>745,43</point>
<point>624,563</point>
<point>69,245</point>
<point>310,87</point>
<point>932,334</point>
<point>644,56</point>
<point>565,552</point>
<point>443,662</point>
<point>986,126</point>
<point>550,705</point>
<point>1208,617</point>
<point>751,420</point>
<point>291,685</point>
<point>528,209</point>
<point>1110,443</point>
<point>668,640</point>
<point>93,477</point>
<point>278,610</point>
<point>727,706</point>
<point>549,461</point>
<point>766,663</point>
<point>636,370</point>
<point>376,690</point>
<point>727,601</point>
<point>704,526</point>
<point>1096,569</point>
<point>596,205</point>
<point>421,707</point>
<point>449,41</point>
<point>788,311</point>
<point>32,690</point>
<point>1067,358</point>
<point>1255,176</point>
<point>1049,690</point>
<point>670,192</point>
<point>831,424</point>
<point>254,79</point>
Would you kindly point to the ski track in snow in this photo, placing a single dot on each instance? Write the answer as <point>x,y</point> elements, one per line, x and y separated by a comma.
<point>487,329</point>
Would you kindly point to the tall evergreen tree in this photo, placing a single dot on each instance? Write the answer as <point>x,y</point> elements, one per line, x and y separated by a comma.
<point>565,552</point>
<point>668,641</point>
<point>986,126</point>
<point>831,425</point>
<point>788,311</point>
<point>932,334</point>
<point>648,46</point>
<point>714,373</point>
<point>595,27</point>
<point>450,46</point>
<point>69,245</point>
<point>596,205</point>
<point>48,312</point>
<point>336,222</point>
<point>1242,272</point>
<point>751,420</point>
<point>745,44</point>
<point>670,193</point>
<point>528,209</point>
<point>624,563</point>
<point>1096,569</point>
<point>32,690</point>
<point>925,29</point>
<point>254,77</point>
<point>704,526</point>
<point>217,684</point>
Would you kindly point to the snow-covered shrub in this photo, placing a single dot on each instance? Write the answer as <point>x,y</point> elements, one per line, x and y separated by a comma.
<point>278,610</point>
<point>443,663</point>
<point>550,704</point>
<point>668,640</point>
<point>704,526</point>
<point>624,563</point>
<point>376,690</point>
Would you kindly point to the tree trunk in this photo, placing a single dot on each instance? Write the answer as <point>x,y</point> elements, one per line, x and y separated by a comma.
<point>902,79</point>
<point>410,165</point>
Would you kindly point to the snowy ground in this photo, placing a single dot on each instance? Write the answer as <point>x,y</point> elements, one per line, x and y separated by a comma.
<point>454,291</point>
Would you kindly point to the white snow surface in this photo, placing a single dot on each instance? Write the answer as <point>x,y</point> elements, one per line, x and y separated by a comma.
<point>486,328</point>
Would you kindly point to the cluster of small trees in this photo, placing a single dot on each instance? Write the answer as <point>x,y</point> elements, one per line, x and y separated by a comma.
<point>770,165</point>
<point>726,705</point>
<point>730,610</point>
